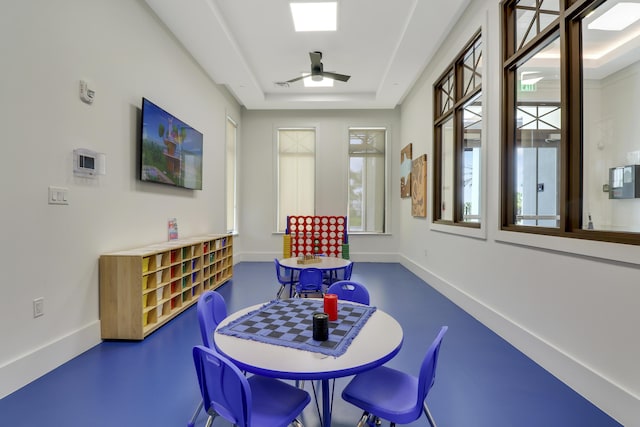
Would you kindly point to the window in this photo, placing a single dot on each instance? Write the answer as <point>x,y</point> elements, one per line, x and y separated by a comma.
<point>367,179</point>
<point>457,139</point>
<point>231,155</point>
<point>296,173</point>
<point>569,126</point>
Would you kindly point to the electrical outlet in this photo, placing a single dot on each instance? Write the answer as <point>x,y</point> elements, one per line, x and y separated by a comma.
<point>38,307</point>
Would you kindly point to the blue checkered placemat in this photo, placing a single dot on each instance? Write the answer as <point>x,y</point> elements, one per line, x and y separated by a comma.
<point>290,323</point>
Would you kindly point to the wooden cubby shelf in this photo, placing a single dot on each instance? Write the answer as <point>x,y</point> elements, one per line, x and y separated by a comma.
<point>141,289</point>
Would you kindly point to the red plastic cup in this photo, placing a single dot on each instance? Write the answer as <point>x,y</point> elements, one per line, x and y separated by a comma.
<point>331,306</point>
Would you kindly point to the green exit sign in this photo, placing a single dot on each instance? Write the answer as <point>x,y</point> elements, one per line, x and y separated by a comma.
<point>528,87</point>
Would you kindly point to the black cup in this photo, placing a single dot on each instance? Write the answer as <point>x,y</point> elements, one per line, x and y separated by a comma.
<point>320,326</point>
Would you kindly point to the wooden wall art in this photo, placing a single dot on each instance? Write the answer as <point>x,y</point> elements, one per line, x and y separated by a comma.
<point>419,186</point>
<point>405,172</point>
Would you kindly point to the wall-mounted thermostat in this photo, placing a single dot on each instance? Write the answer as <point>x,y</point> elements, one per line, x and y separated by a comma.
<point>88,163</point>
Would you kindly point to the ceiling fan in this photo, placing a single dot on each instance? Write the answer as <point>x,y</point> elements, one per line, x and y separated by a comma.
<point>317,70</point>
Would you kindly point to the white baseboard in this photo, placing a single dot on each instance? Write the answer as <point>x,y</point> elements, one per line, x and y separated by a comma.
<point>617,402</point>
<point>20,371</point>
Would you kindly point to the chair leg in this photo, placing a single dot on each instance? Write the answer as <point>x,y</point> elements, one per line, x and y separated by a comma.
<point>212,416</point>
<point>280,291</point>
<point>363,419</point>
<point>195,415</point>
<point>428,415</point>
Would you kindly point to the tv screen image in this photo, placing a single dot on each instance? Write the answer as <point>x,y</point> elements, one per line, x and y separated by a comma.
<point>170,149</point>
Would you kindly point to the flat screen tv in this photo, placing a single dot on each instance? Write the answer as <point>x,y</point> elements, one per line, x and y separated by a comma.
<point>170,149</point>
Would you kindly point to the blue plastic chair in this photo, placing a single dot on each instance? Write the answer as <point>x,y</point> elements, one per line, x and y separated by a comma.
<point>286,277</point>
<point>346,273</point>
<point>350,291</point>
<point>212,309</point>
<point>388,394</point>
<point>256,401</point>
<point>336,275</point>
<point>309,282</point>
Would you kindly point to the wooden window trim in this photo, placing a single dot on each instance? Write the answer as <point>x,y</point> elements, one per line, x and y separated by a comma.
<point>455,69</point>
<point>567,27</point>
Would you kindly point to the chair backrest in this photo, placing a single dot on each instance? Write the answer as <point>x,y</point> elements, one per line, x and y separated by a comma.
<point>350,291</point>
<point>223,387</point>
<point>280,272</point>
<point>428,368</point>
<point>310,279</point>
<point>212,310</point>
<point>347,272</point>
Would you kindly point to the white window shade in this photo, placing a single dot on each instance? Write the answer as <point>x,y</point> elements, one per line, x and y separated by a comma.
<point>296,174</point>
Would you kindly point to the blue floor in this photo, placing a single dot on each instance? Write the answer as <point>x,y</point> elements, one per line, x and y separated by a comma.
<point>482,381</point>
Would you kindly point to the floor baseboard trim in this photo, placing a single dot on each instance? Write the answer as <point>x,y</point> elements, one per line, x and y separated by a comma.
<point>20,371</point>
<point>617,402</point>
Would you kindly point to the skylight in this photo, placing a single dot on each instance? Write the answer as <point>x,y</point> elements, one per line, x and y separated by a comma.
<point>315,16</point>
<point>617,18</point>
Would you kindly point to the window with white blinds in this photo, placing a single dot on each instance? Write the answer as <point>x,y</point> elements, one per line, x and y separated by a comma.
<point>296,173</point>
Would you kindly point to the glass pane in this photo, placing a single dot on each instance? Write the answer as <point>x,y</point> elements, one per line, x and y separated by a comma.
<point>446,94</point>
<point>231,176</point>
<point>533,16</point>
<point>447,162</point>
<point>367,141</point>
<point>471,144</point>
<point>366,198</point>
<point>611,147</point>
<point>538,139</point>
<point>472,68</point>
<point>356,194</point>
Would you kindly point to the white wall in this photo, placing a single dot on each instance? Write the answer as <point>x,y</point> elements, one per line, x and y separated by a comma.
<point>257,189</point>
<point>611,134</point>
<point>52,251</point>
<point>569,304</point>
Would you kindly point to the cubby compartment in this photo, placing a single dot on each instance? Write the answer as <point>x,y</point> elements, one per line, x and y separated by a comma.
<point>142,289</point>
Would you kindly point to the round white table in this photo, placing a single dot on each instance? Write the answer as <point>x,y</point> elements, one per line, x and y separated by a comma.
<point>326,264</point>
<point>378,341</point>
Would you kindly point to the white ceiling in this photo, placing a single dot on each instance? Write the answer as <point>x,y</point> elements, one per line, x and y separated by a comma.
<point>249,45</point>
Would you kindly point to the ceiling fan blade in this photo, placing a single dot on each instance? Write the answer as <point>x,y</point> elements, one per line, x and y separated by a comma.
<point>336,76</point>
<point>297,78</point>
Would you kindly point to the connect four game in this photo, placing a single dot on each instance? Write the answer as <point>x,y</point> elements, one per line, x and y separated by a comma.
<point>290,323</point>
<point>316,235</point>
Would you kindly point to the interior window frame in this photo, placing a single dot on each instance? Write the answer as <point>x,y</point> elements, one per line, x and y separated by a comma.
<point>567,26</point>
<point>457,97</point>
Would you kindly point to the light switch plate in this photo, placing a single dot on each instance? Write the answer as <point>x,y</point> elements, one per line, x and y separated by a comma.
<point>58,196</point>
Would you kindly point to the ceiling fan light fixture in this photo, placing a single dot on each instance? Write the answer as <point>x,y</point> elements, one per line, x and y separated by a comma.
<point>617,18</point>
<point>319,16</point>
<point>317,81</point>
